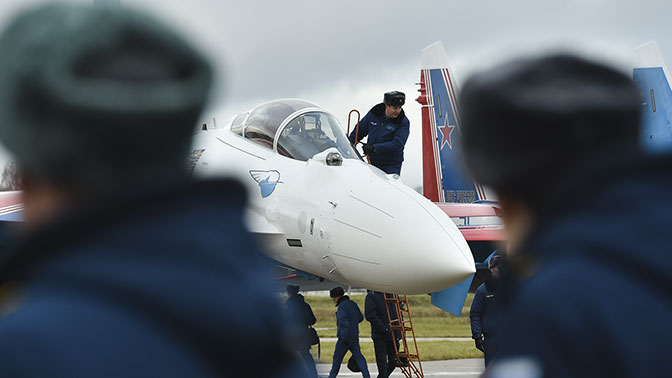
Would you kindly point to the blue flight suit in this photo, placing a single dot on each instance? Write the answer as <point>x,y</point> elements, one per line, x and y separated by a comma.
<point>160,283</point>
<point>383,341</point>
<point>300,316</point>
<point>348,317</point>
<point>593,294</point>
<point>387,135</point>
<point>485,316</point>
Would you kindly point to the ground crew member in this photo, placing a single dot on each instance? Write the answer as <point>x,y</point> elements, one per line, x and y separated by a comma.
<point>300,316</point>
<point>587,213</point>
<point>387,128</point>
<point>485,312</point>
<point>348,317</point>
<point>383,342</point>
<point>123,268</point>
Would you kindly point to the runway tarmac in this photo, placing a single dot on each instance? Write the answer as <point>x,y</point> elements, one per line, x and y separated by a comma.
<point>465,368</point>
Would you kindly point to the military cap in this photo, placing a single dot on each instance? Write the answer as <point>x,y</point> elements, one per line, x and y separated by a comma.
<point>494,262</point>
<point>394,98</point>
<point>528,122</point>
<point>336,292</point>
<point>98,96</point>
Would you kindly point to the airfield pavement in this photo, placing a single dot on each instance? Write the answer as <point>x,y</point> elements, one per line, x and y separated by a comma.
<point>466,368</point>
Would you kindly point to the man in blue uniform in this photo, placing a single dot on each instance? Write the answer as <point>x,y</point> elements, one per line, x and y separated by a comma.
<point>126,267</point>
<point>387,128</point>
<point>376,313</point>
<point>587,213</point>
<point>300,317</point>
<point>348,317</point>
<point>485,312</point>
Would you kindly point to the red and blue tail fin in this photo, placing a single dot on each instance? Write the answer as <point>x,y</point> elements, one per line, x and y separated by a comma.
<point>653,79</point>
<point>443,179</point>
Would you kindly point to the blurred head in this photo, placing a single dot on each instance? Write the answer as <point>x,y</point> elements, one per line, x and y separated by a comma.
<point>393,102</point>
<point>292,290</point>
<point>98,99</point>
<point>527,125</point>
<point>336,293</point>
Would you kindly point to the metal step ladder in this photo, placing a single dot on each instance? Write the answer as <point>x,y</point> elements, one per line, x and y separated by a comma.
<point>401,326</point>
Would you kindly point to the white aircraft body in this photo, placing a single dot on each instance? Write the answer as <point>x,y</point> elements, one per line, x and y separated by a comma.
<point>320,209</point>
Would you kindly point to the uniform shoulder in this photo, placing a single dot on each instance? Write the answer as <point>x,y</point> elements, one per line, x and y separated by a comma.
<point>378,110</point>
<point>552,291</point>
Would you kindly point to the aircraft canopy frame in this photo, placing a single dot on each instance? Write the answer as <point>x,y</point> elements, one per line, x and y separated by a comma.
<point>294,128</point>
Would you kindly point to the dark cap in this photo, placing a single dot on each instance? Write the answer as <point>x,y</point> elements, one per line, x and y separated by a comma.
<point>336,292</point>
<point>394,98</point>
<point>98,96</point>
<point>494,262</point>
<point>527,123</point>
<point>292,289</point>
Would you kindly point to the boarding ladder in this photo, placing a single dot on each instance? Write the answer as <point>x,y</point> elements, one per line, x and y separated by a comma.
<point>355,111</point>
<point>407,348</point>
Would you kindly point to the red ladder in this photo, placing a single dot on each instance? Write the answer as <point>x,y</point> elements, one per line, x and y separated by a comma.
<point>402,325</point>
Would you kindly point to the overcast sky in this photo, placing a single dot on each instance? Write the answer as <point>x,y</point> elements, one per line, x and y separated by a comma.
<point>343,54</point>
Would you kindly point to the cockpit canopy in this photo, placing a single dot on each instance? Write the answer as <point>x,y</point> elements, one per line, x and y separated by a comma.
<point>294,128</point>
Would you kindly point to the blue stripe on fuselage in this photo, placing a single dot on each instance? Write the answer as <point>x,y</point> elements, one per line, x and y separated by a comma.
<point>656,109</point>
<point>456,187</point>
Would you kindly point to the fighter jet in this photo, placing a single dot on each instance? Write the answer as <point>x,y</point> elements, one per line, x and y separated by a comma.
<point>317,207</point>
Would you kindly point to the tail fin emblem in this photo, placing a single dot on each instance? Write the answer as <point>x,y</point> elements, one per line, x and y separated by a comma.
<point>446,131</point>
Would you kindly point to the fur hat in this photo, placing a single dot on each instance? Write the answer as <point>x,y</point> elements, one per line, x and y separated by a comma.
<point>98,96</point>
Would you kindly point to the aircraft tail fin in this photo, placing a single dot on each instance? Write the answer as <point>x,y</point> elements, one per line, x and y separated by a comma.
<point>443,179</point>
<point>653,78</point>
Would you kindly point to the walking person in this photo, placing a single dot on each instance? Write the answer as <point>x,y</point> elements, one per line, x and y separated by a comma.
<point>300,317</point>
<point>348,317</point>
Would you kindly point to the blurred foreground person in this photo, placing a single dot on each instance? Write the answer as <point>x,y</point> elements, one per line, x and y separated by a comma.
<point>300,317</point>
<point>587,217</point>
<point>486,312</point>
<point>126,268</point>
<point>348,317</point>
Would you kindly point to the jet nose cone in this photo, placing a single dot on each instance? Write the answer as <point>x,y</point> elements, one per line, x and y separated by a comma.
<point>436,254</point>
<point>408,244</point>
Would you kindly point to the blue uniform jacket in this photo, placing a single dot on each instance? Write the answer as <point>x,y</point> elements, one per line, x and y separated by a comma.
<point>485,313</point>
<point>348,317</point>
<point>299,317</point>
<point>598,299</point>
<point>376,314</point>
<point>388,136</point>
<point>166,283</point>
